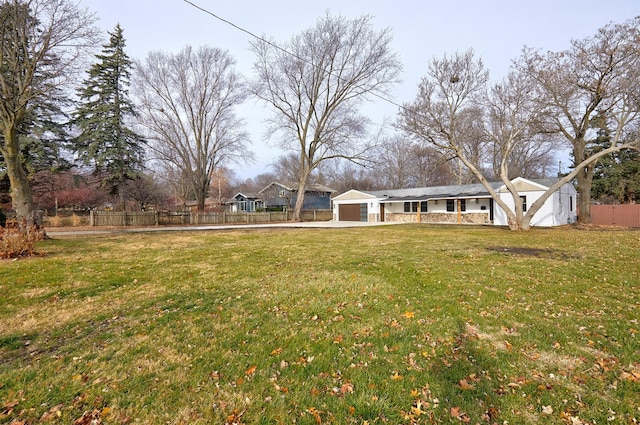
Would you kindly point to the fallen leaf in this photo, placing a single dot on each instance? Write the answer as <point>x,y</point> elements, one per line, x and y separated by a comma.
<point>396,377</point>
<point>93,417</point>
<point>250,371</point>
<point>409,314</point>
<point>52,413</point>
<point>346,388</point>
<point>464,385</point>
<point>547,410</point>
<point>455,412</point>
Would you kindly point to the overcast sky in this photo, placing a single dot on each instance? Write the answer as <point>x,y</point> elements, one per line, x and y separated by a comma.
<point>496,29</point>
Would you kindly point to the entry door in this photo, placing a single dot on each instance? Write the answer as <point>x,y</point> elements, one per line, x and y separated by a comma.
<point>381,212</point>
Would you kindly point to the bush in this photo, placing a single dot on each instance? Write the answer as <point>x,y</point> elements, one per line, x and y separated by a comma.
<point>18,241</point>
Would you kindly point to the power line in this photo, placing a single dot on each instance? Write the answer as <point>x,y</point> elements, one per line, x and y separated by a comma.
<point>251,34</point>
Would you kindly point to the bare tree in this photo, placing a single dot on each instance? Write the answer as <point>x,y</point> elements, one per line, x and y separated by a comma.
<point>343,175</point>
<point>315,85</point>
<point>394,167</point>
<point>41,42</point>
<point>147,191</point>
<point>286,168</point>
<point>430,168</point>
<point>187,103</point>
<point>592,85</point>
<point>455,93</point>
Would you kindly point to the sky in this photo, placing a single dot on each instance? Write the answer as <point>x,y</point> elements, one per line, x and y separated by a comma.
<point>497,30</point>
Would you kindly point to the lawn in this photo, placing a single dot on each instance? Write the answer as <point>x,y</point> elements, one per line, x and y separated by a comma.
<point>400,324</point>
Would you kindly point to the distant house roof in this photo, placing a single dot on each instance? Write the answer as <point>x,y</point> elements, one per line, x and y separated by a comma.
<point>246,195</point>
<point>293,187</point>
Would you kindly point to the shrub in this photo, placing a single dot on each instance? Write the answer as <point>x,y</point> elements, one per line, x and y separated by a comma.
<point>19,241</point>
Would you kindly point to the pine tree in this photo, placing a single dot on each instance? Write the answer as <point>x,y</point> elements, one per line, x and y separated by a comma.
<point>105,141</point>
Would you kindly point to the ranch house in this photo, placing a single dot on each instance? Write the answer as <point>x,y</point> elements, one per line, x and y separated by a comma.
<point>470,203</point>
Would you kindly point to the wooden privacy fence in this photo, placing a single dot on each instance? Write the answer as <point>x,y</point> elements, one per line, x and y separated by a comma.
<point>123,218</point>
<point>627,215</point>
<point>154,218</point>
<point>237,218</point>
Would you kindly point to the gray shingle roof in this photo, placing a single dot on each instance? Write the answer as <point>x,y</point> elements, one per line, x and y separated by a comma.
<point>451,191</point>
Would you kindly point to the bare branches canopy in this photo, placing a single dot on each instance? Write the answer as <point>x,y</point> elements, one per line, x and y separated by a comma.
<point>315,84</point>
<point>547,101</point>
<point>187,103</point>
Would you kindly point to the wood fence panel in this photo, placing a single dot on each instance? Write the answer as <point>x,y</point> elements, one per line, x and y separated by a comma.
<point>153,218</point>
<point>121,218</point>
<point>627,215</point>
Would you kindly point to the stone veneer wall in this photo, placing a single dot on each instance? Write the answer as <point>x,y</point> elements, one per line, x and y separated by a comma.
<point>468,218</point>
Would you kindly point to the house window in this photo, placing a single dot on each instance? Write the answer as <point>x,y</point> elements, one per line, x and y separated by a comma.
<point>412,207</point>
<point>423,206</point>
<point>451,205</point>
<point>463,204</point>
<point>570,203</point>
<point>363,212</point>
<point>524,203</point>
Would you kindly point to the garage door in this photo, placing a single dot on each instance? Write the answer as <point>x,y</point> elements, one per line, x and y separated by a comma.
<point>353,212</point>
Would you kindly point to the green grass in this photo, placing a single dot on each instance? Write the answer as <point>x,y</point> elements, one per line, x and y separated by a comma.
<point>399,324</point>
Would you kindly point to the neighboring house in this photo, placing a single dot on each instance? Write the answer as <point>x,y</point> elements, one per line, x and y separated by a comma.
<point>469,203</point>
<point>282,196</point>
<point>250,202</point>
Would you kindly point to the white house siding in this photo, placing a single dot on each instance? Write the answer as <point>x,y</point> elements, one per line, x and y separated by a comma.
<point>556,210</point>
<point>559,209</point>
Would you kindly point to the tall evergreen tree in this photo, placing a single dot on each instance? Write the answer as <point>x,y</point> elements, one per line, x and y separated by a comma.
<point>105,141</point>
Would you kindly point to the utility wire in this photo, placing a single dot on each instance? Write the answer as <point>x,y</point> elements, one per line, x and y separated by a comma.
<point>251,34</point>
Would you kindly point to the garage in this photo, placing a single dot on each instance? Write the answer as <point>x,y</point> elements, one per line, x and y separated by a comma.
<point>352,212</point>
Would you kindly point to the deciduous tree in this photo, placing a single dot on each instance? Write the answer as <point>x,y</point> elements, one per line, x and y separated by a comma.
<point>40,43</point>
<point>187,108</point>
<point>456,112</point>
<point>315,85</point>
<point>592,85</point>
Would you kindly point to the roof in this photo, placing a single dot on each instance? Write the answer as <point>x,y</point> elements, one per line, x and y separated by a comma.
<point>474,190</point>
<point>423,193</point>
<point>248,195</point>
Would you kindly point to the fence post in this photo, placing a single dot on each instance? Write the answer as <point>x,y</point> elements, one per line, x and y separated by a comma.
<point>92,220</point>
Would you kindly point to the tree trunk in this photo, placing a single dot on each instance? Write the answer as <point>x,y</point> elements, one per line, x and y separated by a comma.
<point>21,197</point>
<point>297,209</point>
<point>584,179</point>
